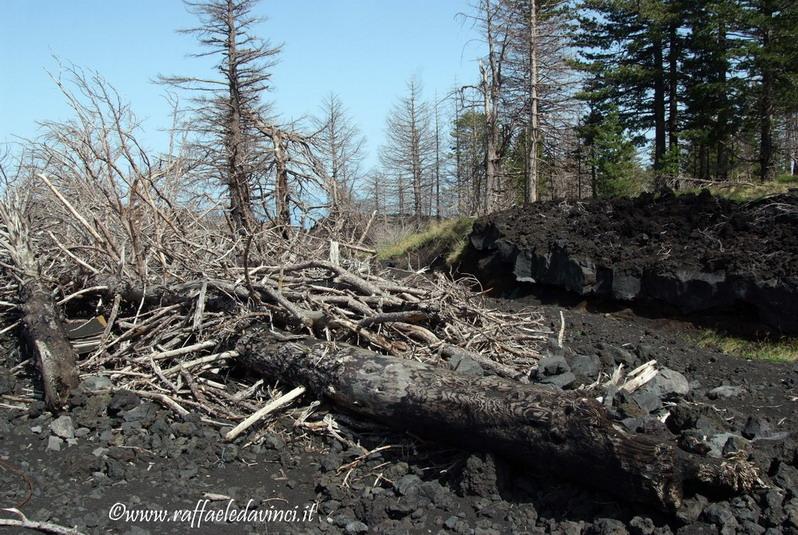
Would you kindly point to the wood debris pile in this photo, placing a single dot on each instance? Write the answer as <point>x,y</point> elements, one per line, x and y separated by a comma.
<point>156,294</point>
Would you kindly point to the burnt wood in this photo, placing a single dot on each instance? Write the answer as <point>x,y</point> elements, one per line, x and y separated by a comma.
<point>564,432</point>
<point>43,333</point>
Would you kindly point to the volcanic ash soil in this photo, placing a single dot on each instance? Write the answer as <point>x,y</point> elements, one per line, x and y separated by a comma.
<point>114,447</point>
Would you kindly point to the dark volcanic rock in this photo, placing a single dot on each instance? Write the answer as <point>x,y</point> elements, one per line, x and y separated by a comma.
<point>483,475</point>
<point>122,401</point>
<point>564,380</point>
<point>586,366</point>
<point>653,248</point>
<point>553,365</point>
<point>756,428</point>
<point>608,526</point>
<point>7,383</point>
<point>692,508</point>
<point>466,366</point>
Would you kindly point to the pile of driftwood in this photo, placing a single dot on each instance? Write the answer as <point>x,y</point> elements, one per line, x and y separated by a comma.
<point>165,300</point>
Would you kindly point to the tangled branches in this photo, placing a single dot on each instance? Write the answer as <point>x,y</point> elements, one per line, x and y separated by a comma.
<point>133,244</point>
<point>174,289</point>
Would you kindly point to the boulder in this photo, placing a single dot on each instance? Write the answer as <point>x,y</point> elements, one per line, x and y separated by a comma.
<point>667,384</point>
<point>586,366</point>
<point>63,427</point>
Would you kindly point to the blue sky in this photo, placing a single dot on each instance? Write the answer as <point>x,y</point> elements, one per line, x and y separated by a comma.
<point>363,50</point>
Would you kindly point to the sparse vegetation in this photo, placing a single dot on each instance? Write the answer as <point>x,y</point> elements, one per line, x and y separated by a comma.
<point>446,239</point>
<point>780,350</point>
<point>749,191</point>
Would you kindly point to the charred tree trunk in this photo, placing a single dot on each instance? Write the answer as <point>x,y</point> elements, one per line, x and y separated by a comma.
<point>531,424</point>
<point>281,194</point>
<point>45,338</point>
<point>237,177</point>
<point>42,329</point>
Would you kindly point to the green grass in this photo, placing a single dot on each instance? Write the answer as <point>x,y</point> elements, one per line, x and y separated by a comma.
<point>748,191</point>
<point>781,350</point>
<point>449,236</point>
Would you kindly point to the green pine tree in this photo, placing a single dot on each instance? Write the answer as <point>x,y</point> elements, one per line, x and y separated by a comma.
<point>613,156</point>
<point>771,61</point>
<point>712,89</point>
<point>631,51</point>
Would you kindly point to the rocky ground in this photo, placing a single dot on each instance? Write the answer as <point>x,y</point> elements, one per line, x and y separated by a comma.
<point>694,252</point>
<point>115,448</point>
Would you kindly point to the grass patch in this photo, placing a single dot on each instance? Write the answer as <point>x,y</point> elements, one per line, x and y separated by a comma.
<point>744,191</point>
<point>781,350</point>
<point>449,237</point>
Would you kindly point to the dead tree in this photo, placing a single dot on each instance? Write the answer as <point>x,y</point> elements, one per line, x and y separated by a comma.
<point>532,424</point>
<point>533,127</point>
<point>223,107</point>
<point>281,193</point>
<point>339,146</point>
<point>408,153</point>
<point>491,86</point>
<point>42,328</point>
<point>294,162</point>
<point>538,92</point>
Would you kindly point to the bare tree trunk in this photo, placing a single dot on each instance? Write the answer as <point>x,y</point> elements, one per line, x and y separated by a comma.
<point>479,191</point>
<point>437,166</point>
<point>491,90</point>
<point>766,168</point>
<point>570,434</point>
<point>593,172</point>
<point>491,201</point>
<point>223,107</point>
<point>400,184</point>
<point>237,178</point>
<point>673,89</point>
<point>415,163</point>
<point>281,190</point>
<point>334,166</point>
<point>42,327</point>
<point>458,166</point>
<point>703,170</point>
<point>659,113</point>
<point>533,133</point>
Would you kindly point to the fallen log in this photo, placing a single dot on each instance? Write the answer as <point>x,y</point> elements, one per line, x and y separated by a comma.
<point>44,335</point>
<point>532,424</point>
<point>42,326</point>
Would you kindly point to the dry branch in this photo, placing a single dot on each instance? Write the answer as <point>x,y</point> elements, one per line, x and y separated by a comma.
<point>136,245</point>
<point>265,411</point>
<point>44,527</point>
